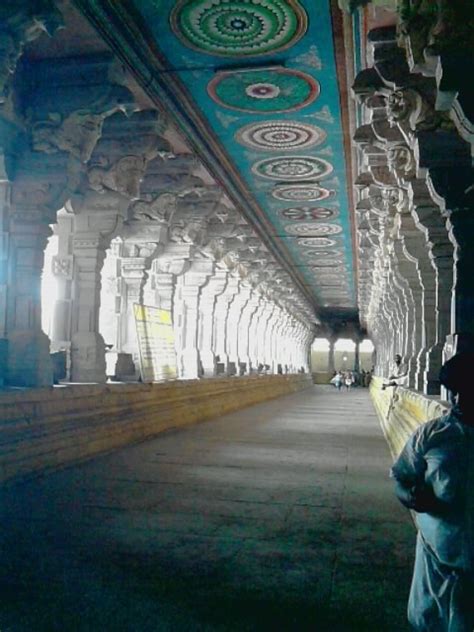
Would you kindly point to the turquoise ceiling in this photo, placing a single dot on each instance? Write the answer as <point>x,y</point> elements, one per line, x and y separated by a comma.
<point>261,79</point>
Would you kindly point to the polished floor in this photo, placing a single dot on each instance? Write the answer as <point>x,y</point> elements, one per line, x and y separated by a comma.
<point>279,517</point>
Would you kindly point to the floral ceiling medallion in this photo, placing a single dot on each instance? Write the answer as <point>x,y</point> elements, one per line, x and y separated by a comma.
<point>280,136</point>
<point>264,90</point>
<point>304,192</point>
<point>314,257</point>
<point>313,230</point>
<point>240,28</point>
<point>292,168</point>
<point>316,242</point>
<point>301,213</point>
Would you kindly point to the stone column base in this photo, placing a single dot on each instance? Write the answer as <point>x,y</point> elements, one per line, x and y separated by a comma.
<point>29,361</point>
<point>88,357</point>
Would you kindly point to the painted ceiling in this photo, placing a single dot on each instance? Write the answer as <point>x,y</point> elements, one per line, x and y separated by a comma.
<point>259,81</point>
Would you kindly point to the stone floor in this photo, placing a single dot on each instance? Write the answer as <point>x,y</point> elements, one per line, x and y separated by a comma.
<point>278,517</point>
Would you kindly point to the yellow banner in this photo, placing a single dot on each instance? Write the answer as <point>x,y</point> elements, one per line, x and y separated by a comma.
<point>156,343</point>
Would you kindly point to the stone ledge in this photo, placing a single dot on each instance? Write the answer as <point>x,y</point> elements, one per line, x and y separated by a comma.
<point>401,411</point>
<point>51,427</point>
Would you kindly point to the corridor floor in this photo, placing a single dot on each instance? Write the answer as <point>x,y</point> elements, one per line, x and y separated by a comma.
<point>278,517</point>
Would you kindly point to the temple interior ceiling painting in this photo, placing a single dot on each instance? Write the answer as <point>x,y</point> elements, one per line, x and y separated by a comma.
<point>260,89</point>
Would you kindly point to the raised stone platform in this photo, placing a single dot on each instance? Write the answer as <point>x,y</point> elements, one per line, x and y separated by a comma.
<point>401,411</point>
<point>50,427</point>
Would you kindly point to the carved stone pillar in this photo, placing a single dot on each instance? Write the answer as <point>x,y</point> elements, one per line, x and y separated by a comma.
<point>253,335</point>
<point>63,270</point>
<point>87,345</point>
<point>262,334</point>
<point>461,230</point>
<point>221,313</point>
<point>277,341</point>
<point>357,356</point>
<point>236,310</point>
<point>331,365</point>
<point>269,333</point>
<point>244,331</point>
<point>188,289</point>
<point>207,303</point>
<point>29,362</point>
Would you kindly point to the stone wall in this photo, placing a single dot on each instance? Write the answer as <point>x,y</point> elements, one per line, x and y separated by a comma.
<point>401,411</point>
<point>52,427</point>
<point>322,377</point>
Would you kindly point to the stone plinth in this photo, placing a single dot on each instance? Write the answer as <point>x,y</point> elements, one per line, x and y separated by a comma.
<point>48,428</point>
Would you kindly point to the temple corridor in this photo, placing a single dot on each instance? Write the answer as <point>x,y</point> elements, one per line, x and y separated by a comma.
<point>277,517</point>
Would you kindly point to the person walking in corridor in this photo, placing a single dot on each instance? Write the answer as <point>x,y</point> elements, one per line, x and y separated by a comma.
<point>337,380</point>
<point>434,477</point>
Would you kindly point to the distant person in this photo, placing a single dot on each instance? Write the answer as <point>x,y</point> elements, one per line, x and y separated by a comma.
<point>399,374</point>
<point>434,477</point>
<point>337,380</point>
<point>348,380</point>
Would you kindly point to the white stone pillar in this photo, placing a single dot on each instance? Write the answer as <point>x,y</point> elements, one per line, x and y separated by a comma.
<point>206,327</point>
<point>270,314</point>
<point>253,334</point>
<point>63,270</point>
<point>188,291</point>
<point>236,310</point>
<point>29,362</point>
<point>221,313</point>
<point>244,330</point>
<point>87,345</point>
<point>133,276</point>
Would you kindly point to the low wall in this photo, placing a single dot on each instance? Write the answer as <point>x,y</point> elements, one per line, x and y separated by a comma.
<point>51,427</point>
<point>401,411</point>
<point>322,377</point>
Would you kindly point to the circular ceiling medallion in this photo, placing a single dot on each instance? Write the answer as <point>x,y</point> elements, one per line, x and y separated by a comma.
<point>280,135</point>
<point>336,265</point>
<point>300,213</point>
<point>238,27</point>
<point>292,168</point>
<point>316,242</point>
<point>307,192</point>
<point>314,257</point>
<point>263,91</point>
<point>313,230</point>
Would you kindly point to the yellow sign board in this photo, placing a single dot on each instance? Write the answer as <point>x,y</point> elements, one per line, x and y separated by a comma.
<point>155,336</point>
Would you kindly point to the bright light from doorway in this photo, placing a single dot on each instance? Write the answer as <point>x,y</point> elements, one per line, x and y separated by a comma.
<point>49,286</point>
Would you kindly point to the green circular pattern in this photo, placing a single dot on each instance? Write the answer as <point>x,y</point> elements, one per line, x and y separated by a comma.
<point>238,27</point>
<point>263,91</point>
<point>290,168</point>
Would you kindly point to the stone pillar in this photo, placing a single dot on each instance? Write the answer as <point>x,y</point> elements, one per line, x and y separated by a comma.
<point>236,310</point>
<point>244,331</point>
<point>221,313</point>
<point>331,365</point>
<point>277,340</point>
<point>357,356</point>
<point>262,333</point>
<point>29,362</point>
<point>87,345</point>
<point>188,291</point>
<point>207,303</point>
<point>269,331</point>
<point>133,276</point>
<point>461,230</point>
<point>63,270</point>
<point>253,335</point>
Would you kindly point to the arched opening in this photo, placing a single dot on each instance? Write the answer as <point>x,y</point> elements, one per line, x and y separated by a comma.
<point>344,354</point>
<point>320,355</point>
<point>366,355</point>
